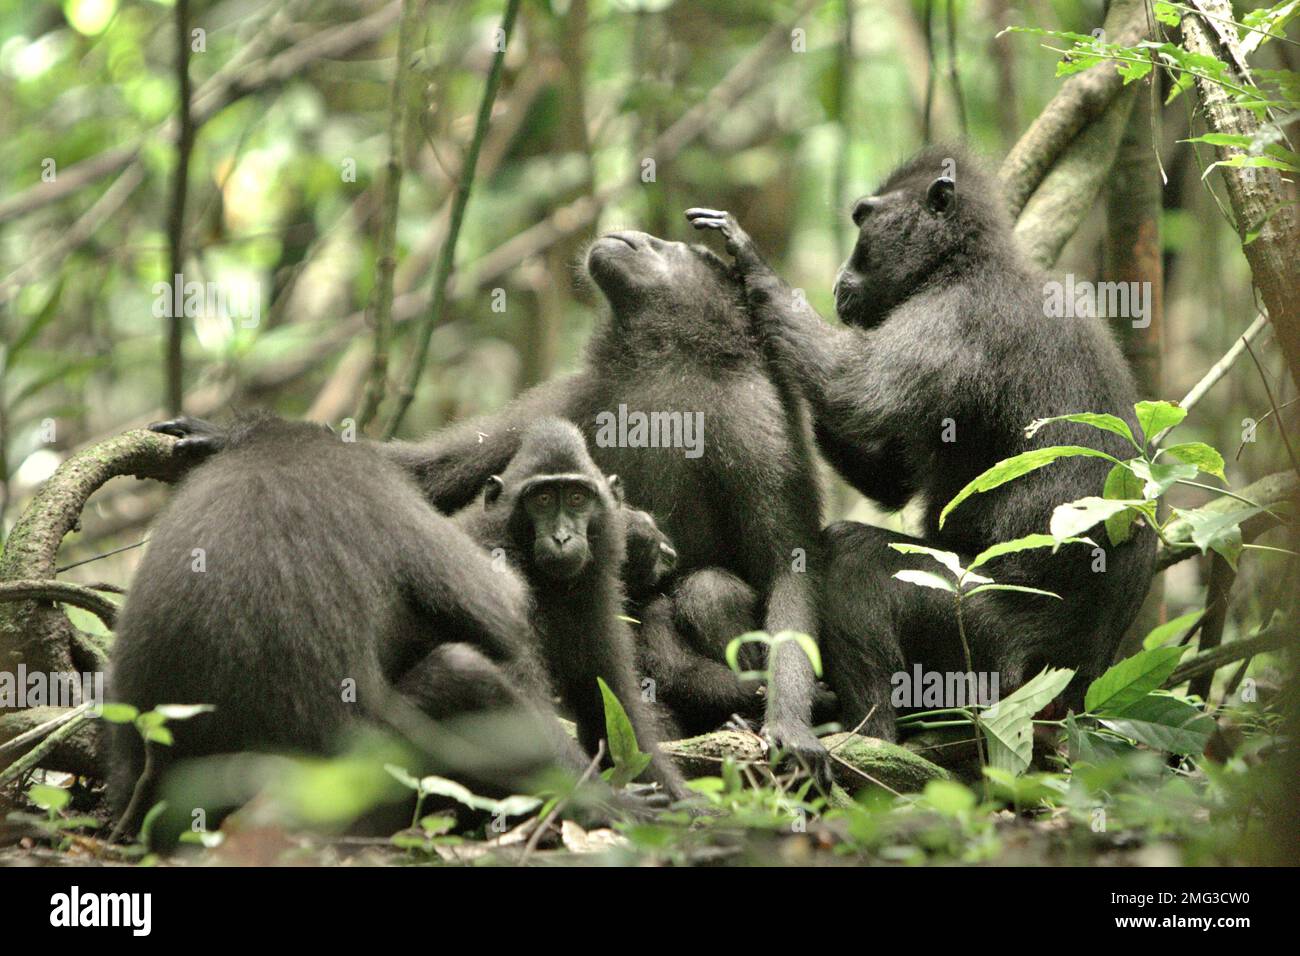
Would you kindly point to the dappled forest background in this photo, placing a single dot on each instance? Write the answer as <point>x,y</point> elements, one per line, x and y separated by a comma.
<point>286,174</point>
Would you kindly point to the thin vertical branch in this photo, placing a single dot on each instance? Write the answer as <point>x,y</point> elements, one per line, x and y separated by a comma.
<point>928,26</point>
<point>953,76</point>
<point>386,257</point>
<point>843,108</point>
<point>176,213</point>
<point>445,261</point>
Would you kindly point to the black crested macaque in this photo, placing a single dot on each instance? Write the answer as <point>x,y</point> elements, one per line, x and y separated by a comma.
<point>683,637</point>
<point>561,523</point>
<point>302,584</point>
<point>737,491</point>
<point>944,357</point>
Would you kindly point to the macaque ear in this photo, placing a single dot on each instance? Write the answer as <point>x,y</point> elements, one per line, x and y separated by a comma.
<point>492,490</point>
<point>941,197</point>
<point>615,487</point>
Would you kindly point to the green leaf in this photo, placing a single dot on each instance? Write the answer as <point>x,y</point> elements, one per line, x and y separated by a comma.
<point>1155,417</point>
<point>1197,453</point>
<point>1238,140</point>
<point>1011,468</point>
<point>949,798</point>
<point>49,798</point>
<point>1127,682</point>
<point>1012,587</point>
<point>1121,484</point>
<point>512,806</point>
<point>1167,13</point>
<point>158,735</point>
<point>1166,632</point>
<point>117,713</point>
<point>1110,423</point>
<point>1159,477</point>
<point>949,560</point>
<point>150,818</point>
<point>1026,543</point>
<point>437,824</point>
<point>1134,70</point>
<point>1088,746</point>
<point>1219,531</point>
<point>1170,724</point>
<point>1073,517</point>
<point>1008,724</point>
<point>629,761</point>
<point>926,579</point>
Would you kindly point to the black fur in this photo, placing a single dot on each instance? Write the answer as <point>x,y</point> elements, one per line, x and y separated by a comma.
<point>576,585</point>
<point>943,320</point>
<point>323,563</point>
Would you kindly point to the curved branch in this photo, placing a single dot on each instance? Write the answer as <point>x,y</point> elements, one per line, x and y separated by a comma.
<point>34,631</point>
<point>1273,491</point>
<point>63,592</point>
<point>1083,98</point>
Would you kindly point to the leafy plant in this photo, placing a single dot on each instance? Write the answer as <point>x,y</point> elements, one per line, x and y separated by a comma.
<point>1134,486</point>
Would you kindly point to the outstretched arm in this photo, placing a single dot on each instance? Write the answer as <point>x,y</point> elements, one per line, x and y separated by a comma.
<point>451,466</point>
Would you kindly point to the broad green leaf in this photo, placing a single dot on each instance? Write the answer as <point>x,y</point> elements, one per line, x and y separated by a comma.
<point>49,798</point>
<point>1166,632</point>
<point>1155,417</point>
<point>1074,517</point>
<point>1158,477</point>
<point>1008,724</point>
<point>926,579</point>
<point>949,560</point>
<point>150,818</point>
<point>1026,543</point>
<point>949,798</point>
<point>1011,468</point>
<point>1012,587</point>
<point>1134,70</point>
<point>1201,455</point>
<point>159,735</point>
<point>1028,791</point>
<point>118,713</point>
<point>629,761</point>
<point>1110,423</point>
<point>1219,531</point>
<point>1166,723</point>
<point>1127,682</point>
<point>1121,484</point>
<point>1166,13</point>
<point>1087,746</point>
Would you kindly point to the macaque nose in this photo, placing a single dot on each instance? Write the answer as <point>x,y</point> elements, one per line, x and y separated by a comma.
<point>561,538</point>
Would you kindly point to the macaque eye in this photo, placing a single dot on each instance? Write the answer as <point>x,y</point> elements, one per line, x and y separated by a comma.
<point>577,498</point>
<point>543,498</point>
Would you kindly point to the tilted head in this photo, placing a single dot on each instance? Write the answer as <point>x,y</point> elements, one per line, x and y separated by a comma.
<point>643,276</point>
<point>561,513</point>
<point>935,217</point>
